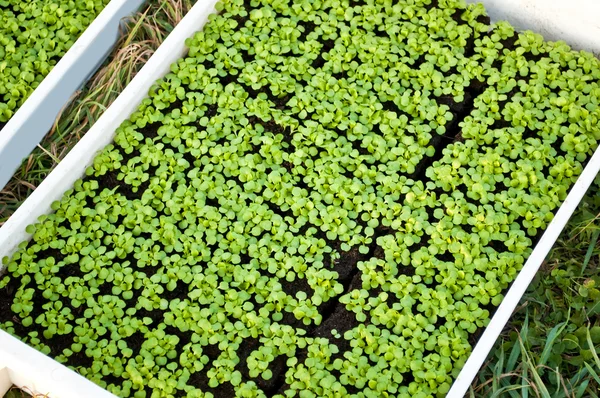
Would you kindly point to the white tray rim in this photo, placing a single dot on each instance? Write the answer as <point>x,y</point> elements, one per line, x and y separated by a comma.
<point>30,123</point>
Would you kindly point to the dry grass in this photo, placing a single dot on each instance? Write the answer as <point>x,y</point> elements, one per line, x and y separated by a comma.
<point>534,356</point>
<point>141,36</point>
<point>16,392</point>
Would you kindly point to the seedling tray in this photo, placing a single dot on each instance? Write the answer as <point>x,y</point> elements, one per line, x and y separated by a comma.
<point>25,367</point>
<point>35,117</point>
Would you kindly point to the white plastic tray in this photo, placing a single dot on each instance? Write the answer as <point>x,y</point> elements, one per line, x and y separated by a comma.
<point>27,367</point>
<point>35,117</point>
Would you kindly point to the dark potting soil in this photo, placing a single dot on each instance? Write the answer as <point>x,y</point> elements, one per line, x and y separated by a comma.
<point>335,315</point>
<point>6,299</point>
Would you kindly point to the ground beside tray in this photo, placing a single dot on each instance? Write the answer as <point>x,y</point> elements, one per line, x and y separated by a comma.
<point>15,392</point>
<point>545,347</point>
<point>36,35</point>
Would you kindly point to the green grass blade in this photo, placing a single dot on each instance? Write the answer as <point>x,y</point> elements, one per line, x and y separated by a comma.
<point>558,392</point>
<point>591,310</point>
<point>525,329</point>
<point>524,383</point>
<point>590,250</point>
<point>471,393</point>
<point>513,393</point>
<point>536,377</point>
<point>554,333</point>
<point>592,347</point>
<point>512,359</point>
<point>511,390</point>
<point>498,370</point>
<point>581,389</point>
<point>592,372</point>
<point>522,350</point>
<point>578,377</point>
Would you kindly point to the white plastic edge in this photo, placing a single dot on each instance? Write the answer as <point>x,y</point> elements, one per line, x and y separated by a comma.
<point>73,166</point>
<point>36,116</point>
<point>20,364</point>
<point>28,368</point>
<point>576,22</point>
<point>521,283</point>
